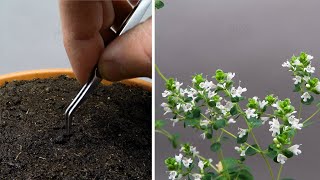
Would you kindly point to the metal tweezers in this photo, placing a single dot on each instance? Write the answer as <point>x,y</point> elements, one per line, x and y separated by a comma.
<point>94,80</point>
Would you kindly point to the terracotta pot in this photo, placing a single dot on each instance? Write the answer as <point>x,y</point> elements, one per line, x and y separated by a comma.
<point>47,73</point>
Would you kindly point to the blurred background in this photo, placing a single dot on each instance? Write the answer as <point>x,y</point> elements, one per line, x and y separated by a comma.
<point>251,38</point>
<point>30,36</point>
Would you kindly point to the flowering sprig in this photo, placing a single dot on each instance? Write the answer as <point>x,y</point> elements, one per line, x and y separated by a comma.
<point>212,105</point>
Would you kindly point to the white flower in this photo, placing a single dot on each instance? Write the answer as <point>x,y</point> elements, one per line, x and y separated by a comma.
<point>194,150</point>
<point>166,93</point>
<point>274,127</point>
<point>276,105</point>
<point>309,69</point>
<point>194,80</point>
<point>242,132</point>
<point>182,92</point>
<point>203,136</point>
<point>211,94</point>
<point>204,122</point>
<point>251,113</point>
<point>297,62</point>
<point>297,80</point>
<point>305,96</point>
<point>207,111</point>
<point>295,149</point>
<point>172,175</point>
<point>286,64</point>
<point>255,98</point>
<point>297,125</point>
<point>230,76</point>
<point>186,107</point>
<point>292,119</point>
<point>201,164</point>
<point>178,84</point>
<point>186,162</point>
<point>318,86</point>
<point>179,158</point>
<point>174,121</point>
<point>166,108</point>
<point>281,158</point>
<point>241,151</point>
<point>231,121</point>
<point>222,86</point>
<point>264,119</point>
<point>225,109</point>
<point>309,57</point>
<point>237,92</point>
<point>197,176</point>
<point>207,85</point>
<point>295,122</point>
<point>262,104</point>
<point>306,78</point>
<point>192,93</point>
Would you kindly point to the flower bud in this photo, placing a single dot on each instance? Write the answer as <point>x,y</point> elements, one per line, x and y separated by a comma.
<point>275,140</point>
<point>308,85</point>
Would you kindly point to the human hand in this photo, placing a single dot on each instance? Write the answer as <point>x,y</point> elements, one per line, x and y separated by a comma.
<point>86,31</point>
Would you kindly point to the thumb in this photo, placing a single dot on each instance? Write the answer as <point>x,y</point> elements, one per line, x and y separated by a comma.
<point>129,55</point>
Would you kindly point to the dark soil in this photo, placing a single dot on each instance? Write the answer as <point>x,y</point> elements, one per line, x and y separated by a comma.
<point>111,132</point>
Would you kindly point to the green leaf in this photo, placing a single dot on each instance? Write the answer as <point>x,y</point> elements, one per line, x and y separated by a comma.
<point>174,140</point>
<point>215,146</point>
<point>297,88</point>
<point>196,113</point>
<point>244,174</point>
<point>287,153</point>
<point>208,135</point>
<point>159,124</point>
<point>159,4</point>
<point>250,151</point>
<point>254,122</point>
<point>208,176</point>
<point>192,122</point>
<point>171,164</point>
<point>234,110</point>
<point>229,164</point>
<point>221,123</point>
<point>309,101</point>
<point>212,104</point>
<point>243,139</point>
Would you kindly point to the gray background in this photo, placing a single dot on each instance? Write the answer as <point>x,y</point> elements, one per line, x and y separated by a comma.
<point>251,38</point>
<point>30,36</point>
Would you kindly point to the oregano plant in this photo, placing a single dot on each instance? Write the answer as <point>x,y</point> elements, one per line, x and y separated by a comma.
<point>213,105</point>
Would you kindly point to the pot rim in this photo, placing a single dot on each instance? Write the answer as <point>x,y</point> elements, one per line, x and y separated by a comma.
<point>55,72</point>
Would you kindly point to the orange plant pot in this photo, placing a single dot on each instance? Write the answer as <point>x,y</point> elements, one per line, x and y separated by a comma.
<point>50,73</point>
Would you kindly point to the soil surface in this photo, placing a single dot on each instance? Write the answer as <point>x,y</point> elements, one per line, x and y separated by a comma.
<point>111,132</point>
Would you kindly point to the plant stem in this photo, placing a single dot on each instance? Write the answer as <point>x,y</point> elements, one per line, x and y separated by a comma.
<point>232,135</point>
<point>160,74</point>
<point>213,167</point>
<point>168,135</point>
<point>280,171</point>
<point>315,113</point>
<point>263,156</point>
<point>256,141</point>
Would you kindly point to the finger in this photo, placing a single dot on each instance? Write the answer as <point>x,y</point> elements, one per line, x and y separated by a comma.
<point>81,25</point>
<point>129,55</point>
